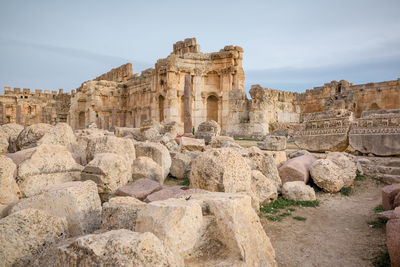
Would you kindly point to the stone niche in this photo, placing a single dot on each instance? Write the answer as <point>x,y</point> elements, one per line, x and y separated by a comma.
<point>324,131</point>
<point>377,132</point>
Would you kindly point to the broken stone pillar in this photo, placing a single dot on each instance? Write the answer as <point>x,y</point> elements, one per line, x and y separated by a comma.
<point>114,117</point>
<point>122,119</point>
<point>187,105</point>
<point>106,123</point>
<point>18,115</point>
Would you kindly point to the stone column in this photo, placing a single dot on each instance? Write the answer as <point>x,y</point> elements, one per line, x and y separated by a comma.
<point>106,123</point>
<point>114,117</point>
<point>187,105</point>
<point>18,114</point>
<point>3,113</point>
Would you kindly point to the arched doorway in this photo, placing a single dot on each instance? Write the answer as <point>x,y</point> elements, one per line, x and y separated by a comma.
<point>81,120</point>
<point>161,107</point>
<point>212,108</point>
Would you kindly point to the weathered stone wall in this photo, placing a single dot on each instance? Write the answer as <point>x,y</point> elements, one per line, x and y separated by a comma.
<point>120,74</point>
<point>26,107</point>
<point>356,98</point>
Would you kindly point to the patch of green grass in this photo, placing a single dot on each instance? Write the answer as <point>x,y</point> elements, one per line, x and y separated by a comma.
<point>285,214</point>
<point>377,223</point>
<point>379,208</point>
<point>299,218</point>
<point>345,191</point>
<point>185,182</point>
<point>383,260</point>
<point>360,177</point>
<point>273,218</point>
<point>291,209</point>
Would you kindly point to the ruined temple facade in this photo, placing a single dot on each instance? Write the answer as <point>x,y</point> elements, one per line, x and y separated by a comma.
<point>25,107</point>
<point>121,98</point>
<point>216,85</point>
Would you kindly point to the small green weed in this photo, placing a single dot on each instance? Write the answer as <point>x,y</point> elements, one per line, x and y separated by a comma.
<point>285,214</point>
<point>377,223</point>
<point>185,182</point>
<point>273,218</point>
<point>360,177</point>
<point>291,209</point>
<point>383,260</point>
<point>299,218</point>
<point>345,191</point>
<point>378,208</point>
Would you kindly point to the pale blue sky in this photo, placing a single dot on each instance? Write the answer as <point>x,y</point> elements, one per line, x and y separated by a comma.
<point>290,45</point>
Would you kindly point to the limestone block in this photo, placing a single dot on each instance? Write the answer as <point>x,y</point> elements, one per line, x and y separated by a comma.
<point>12,130</point>
<point>26,233</point>
<point>264,188</point>
<point>176,222</point>
<point>139,189</point>
<point>191,144</point>
<point>110,144</point>
<point>145,167</point>
<point>167,140</point>
<point>180,166</point>
<point>166,193</point>
<point>121,213</point>
<point>117,248</point>
<point>347,167</point>
<point>279,157</point>
<point>220,141</point>
<point>109,171</point>
<point>45,165</point>
<point>78,202</point>
<point>61,134</point>
<point>207,130</point>
<point>298,190</point>
<point>9,190</point>
<point>234,232</point>
<point>3,142</point>
<point>171,128</point>
<point>393,241</point>
<point>273,143</point>
<point>149,134</point>
<point>157,152</point>
<point>389,193</point>
<point>327,175</point>
<point>296,169</point>
<point>30,135</point>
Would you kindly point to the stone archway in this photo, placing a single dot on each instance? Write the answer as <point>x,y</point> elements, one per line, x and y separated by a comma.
<point>81,120</point>
<point>212,108</point>
<point>161,100</point>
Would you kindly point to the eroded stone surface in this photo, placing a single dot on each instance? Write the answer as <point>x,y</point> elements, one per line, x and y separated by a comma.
<point>298,190</point>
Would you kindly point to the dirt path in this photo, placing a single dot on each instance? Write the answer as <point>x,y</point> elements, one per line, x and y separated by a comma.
<point>335,234</point>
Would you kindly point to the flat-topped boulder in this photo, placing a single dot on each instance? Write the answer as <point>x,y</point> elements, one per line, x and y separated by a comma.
<point>273,143</point>
<point>110,144</point>
<point>61,134</point>
<point>139,189</point>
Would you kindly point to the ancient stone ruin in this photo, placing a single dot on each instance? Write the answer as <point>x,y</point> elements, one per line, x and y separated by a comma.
<point>154,169</point>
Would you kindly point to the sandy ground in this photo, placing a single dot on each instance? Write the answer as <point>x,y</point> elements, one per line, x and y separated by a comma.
<point>335,234</point>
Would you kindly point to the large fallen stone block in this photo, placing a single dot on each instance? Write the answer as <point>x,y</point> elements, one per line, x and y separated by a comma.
<point>264,188</point>
<point>279,157</point>
<point>273,143</point>
<point>176,222</point>
<point>172,192</point>
<point>156,152</point>
<point>232,230</point>
<point>145,167</point>
<point>298,191</point>
<point>110,144</point>
<point>327,175</point>
<point>377,133</point>
<point>181,165</point>
<point>61,134</point>
<point>117,248</point>
<point>9,190</point>
<point>324,131</point>
<point>3,142</point>
<point>389,193</point>
<point>296,169</point>
<point>393,241</point>
<point>222,170</point>
<point>12,130</point>
<point>191,144</point>
<point>45,165</point>
<point>109,171</point>
<point>30,135</point>
<point>26,233</point>
<point>78,202</point>
<point>139,189</point>
<point>207,130</point>
<point>121,213</point>
<point>347,167</point>
<point>221,141</point>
